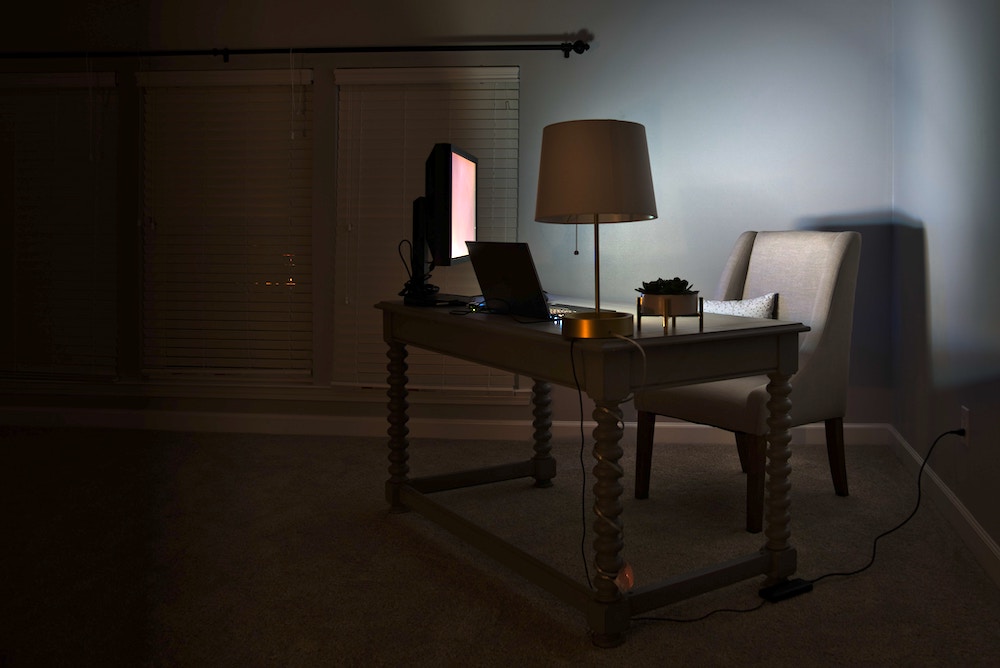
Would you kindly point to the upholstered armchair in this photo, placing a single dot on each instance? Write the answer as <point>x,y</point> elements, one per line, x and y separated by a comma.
<point>813,274</point>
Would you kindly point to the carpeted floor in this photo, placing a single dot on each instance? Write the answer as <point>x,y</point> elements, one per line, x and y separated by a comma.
<point>152,548</point>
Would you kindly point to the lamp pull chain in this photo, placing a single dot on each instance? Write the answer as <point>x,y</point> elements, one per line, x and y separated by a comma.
<point>576,249</point>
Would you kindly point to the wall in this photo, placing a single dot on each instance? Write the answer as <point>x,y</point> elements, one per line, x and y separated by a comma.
<point>757,115</point>
<point>946,170</point>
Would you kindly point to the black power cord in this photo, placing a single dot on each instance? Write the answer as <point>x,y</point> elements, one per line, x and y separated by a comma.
<point>583,469</point>
<point>416,291</point>
<point>920,473</point>
<point>794,587</point>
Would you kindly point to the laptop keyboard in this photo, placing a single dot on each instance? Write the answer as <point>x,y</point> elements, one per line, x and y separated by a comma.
<point>556,310</point>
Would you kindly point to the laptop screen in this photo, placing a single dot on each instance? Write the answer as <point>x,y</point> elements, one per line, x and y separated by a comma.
<point>508,279</point>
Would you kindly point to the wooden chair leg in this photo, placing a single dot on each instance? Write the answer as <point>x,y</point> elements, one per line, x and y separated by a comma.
<point>753,449</point>
<point>741,447</point>
<point>643,452</point>
<point>835,453</point>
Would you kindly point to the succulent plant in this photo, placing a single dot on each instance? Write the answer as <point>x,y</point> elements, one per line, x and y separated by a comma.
<point>667,286</point>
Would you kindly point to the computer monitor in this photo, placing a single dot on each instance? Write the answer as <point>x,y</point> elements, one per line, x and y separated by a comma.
<point>444,218</point>
<point>450,192</point>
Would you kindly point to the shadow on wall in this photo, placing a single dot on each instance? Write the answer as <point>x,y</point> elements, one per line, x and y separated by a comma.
<point>890,346</point>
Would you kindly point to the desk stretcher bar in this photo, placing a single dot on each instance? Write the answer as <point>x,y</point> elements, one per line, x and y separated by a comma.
<point>603,618</point>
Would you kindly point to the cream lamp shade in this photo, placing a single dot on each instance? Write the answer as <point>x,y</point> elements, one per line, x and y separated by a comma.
<point>594,168</point>
<point>595,171</point>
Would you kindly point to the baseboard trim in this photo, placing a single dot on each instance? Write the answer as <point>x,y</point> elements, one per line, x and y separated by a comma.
<point>667,432</point>
<point>680,433</point>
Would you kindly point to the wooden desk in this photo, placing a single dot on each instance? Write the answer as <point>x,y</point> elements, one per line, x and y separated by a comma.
<point>608,371</point>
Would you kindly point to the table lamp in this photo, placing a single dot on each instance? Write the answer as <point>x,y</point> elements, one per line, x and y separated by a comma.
<point>595,171</point>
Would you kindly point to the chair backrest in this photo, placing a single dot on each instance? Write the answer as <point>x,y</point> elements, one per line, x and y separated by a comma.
<point>815,275</point>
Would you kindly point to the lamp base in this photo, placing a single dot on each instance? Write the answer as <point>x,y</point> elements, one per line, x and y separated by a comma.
<point>596,325</point>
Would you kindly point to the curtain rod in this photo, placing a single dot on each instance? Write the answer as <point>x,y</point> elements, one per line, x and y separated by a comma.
<point>579,46</point>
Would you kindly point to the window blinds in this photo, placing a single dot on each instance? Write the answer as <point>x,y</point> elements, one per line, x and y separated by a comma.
<point>58,199</point>
<point>389,119</point>
<point>227,229</point>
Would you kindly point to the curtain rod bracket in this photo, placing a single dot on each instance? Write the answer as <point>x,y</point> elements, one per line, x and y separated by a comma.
<point>579,46</point>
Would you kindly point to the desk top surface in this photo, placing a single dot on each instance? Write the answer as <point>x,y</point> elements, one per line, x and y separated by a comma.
<point>726,347</point>
<point>655,331</point>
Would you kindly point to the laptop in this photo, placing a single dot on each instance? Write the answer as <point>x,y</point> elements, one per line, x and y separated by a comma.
<point>509,281</point>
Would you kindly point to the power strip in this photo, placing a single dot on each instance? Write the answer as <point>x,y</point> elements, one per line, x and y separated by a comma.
<point>787,589</point>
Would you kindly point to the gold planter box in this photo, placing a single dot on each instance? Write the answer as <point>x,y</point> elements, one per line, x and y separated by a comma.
<point>669,308</point>
<point>669,305</point>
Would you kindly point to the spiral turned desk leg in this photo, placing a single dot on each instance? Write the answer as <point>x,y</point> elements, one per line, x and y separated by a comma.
<point>543,462</point>
<point>398,431</point>
<point>608,525</point>
<point>778,452</point>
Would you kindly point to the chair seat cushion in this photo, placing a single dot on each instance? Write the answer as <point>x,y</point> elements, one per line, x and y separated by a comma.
<point>738,404</point>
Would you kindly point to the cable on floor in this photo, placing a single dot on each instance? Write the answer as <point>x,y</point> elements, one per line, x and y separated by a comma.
<point>923,465</point>
<point>920,473</point>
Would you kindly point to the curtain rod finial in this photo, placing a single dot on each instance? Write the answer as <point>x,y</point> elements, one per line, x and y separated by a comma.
<point>579,46</point>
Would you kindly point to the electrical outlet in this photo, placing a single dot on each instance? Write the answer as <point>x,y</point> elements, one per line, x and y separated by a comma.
<point>966,413</point>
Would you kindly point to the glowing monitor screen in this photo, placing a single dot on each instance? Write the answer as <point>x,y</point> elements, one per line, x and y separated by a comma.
<point>450,197</point>
<point>463,204</point>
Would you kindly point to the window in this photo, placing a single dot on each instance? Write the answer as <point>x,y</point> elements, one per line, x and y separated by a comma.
<point>389,119</point>
<point>227,224</point>
<point>58,199</point>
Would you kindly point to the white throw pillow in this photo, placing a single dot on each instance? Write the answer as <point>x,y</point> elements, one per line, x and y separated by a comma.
<point>755,307</point>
